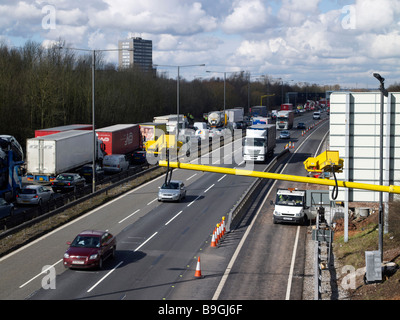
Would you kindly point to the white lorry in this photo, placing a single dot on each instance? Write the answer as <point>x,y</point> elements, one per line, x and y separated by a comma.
<point>259,143</point>
<point>171,121</point>
<point>291,206</point>
<point>50,155</point>
<point>284,120</point>
<point>234,115</point>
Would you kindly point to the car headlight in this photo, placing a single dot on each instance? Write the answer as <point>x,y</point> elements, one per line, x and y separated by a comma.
<point>66,255</point>
<point>93,256</point>
<point>277,213</point>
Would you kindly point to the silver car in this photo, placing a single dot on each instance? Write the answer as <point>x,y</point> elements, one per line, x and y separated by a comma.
<point>173,191</point>
<point>34,194</point>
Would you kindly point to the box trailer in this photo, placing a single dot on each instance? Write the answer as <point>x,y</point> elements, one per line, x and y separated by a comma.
<point>48,156</point>
<point>47,131</point>
<point>259,143</point>
<point>151,131</point>
<point>234,115</point>
<point>120,139</point>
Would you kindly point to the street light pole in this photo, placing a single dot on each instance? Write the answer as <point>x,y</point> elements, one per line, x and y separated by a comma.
<point>178,89</point>
<point>383,93</point>
<point>224,72</point>
<point>93,106</point>
<point>93,122</point>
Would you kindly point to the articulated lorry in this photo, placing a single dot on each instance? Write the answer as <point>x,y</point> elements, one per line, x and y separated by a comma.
<point>11,161</point>
<point>122,139</point>
<point>171,122</point>
<point>259,143</point>
<point>291,206</point>
<point>284,120</point>
<point>48,156</point>
<point>216,119</point>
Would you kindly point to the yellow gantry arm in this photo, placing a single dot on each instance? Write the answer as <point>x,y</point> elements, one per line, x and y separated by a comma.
<point>278,176</point>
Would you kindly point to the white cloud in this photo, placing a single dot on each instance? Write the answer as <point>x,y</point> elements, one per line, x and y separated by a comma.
<point>247,16</point>
<point>157,16</point>
<point>307,37</point>
<point>167,42</point>
<point>382,45</point>
<point>296,12</point>
<point>376,15</point>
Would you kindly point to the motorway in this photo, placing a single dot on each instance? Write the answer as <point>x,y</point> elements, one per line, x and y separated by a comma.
<point>158,243</point>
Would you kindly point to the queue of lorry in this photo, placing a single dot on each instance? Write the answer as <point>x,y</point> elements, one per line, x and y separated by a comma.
<point>73,148</point>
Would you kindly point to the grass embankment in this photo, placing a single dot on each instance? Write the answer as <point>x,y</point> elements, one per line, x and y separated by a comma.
<point>363,236</point>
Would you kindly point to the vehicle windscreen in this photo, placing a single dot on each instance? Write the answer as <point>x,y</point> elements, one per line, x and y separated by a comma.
<point>256,142</point>
<point>171,185</point>
<point>65,178</point>
<point>86,242</point>
<point>27,191</point>
<point>289,200</point>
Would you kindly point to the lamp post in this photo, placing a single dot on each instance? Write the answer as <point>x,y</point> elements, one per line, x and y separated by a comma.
<point>383,93</point>
<point>224,72</point>
<point>177,88</point>
<point>93,106</point>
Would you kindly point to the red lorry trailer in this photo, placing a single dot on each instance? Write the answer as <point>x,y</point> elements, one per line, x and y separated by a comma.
<point>121,139</point>
<point>45,132</point>
<point>286,107</point>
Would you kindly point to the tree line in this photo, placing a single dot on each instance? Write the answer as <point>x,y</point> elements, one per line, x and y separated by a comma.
<point>48,87</point>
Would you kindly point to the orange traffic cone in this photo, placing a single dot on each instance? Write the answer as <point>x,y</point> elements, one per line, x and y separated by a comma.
<point>197,274</point>
<point>213,241</point>
<point>223,225</point>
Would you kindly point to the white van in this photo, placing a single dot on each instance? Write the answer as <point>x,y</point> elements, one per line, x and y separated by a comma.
<point>317,115</point>
<point>115,163</point>
<point>200,125</point>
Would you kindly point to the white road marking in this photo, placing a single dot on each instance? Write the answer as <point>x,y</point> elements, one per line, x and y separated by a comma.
<point>191,177</point>
<point>145,242</point>
<point>221,177</point>
<point>129,216</point>
<point>174,217</point>
<point>289,286</point>
<point>209,188</point>
<point>44,271</point>
<point>151,201</point>
<point>192,201</point>
<point>112,270</point>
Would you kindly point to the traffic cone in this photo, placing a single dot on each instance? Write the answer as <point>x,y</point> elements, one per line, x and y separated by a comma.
<point>293,145</point>
<point>223,226</point>
<point>213,241</point>
<point>197,274</point>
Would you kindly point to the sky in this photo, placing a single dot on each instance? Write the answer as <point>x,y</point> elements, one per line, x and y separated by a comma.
<point>326,42</point>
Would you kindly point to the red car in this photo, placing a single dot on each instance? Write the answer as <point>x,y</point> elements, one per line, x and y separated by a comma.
<point>89,249</point>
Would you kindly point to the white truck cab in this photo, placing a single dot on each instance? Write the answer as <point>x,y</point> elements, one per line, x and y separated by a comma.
<point>291,206</point>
